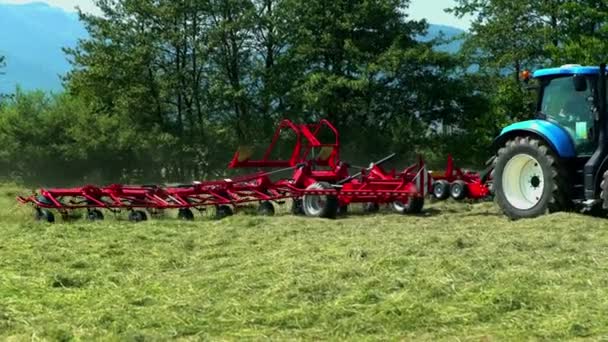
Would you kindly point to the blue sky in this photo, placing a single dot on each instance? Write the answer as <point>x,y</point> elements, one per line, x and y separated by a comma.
<point>432,10</point>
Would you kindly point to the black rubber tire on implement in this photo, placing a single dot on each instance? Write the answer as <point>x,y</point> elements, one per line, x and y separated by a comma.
<point>95,215</point>
<point>296,207</point>
<point>44,215</point>
<point>413,206</point>
<point>441,190</point>
<point>137,216</point>
<point>555,192</point>
<point>371,207</point>
<point>458,190</point>
<point>342,210</point>
<point>185,214</point>
<point>266,209</point>
<point>223,211</point>
<point>45,200</point>
<point>314,207</point>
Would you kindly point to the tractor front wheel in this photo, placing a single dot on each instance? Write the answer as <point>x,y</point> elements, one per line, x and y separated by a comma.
<point>529,180</point>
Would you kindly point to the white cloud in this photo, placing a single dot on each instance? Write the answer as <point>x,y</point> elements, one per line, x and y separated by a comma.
<point>68,5</point>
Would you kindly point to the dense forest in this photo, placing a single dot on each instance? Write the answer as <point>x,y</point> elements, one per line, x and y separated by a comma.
<point>167,90</point>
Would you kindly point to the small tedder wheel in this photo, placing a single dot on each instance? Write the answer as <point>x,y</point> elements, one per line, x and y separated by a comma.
<point>371,207</point>
<point>343,210</point>
<point>441,190</point>
<point>458,190</point>
<point>414,205</point>
<point>94,215</point>
<point>324,206</point>
<point>266,209</point>
<point>185,214</point>
<point>223,211</point>
<point>137,216</point>
<point>296,207</point>
<point>44,200</point>
<point>44,215</point>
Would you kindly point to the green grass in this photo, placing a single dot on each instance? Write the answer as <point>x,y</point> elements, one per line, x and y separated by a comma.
<point>461,272</point>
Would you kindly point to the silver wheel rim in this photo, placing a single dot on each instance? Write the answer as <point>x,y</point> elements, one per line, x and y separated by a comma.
<point>523,182</point>
<point>314,204</point>
<point>438,190</point>
<point>399,206</point>
<point>457,190</point>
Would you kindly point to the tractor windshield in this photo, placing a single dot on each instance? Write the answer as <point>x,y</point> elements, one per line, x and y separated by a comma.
<point>571,109</point>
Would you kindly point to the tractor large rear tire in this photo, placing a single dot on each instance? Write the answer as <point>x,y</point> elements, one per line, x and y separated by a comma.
<point>529,180</point>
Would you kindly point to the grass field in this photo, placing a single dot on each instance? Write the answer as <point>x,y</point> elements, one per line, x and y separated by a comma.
<point>459,272</point>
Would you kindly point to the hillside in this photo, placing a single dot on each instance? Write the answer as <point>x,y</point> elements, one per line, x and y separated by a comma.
<point>32,35</point>
<point>448,33</point>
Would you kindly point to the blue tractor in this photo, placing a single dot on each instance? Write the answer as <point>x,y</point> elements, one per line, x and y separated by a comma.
<point>559,160</point>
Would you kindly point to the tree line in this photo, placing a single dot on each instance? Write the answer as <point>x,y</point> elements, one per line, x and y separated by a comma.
<point>166,90</point>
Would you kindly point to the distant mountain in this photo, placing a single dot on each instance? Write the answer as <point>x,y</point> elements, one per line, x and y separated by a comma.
<point>31,38</point>
<point>32,35</point>
<point>447,33</point>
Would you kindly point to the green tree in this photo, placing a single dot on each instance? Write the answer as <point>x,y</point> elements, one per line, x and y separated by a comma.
<point>582,30</point>
<point>2,66</point>
<point>208,75</point>
<point>505,36</point>
<point>144,64</point>
<point>339,46</point>
<point>517,34</point>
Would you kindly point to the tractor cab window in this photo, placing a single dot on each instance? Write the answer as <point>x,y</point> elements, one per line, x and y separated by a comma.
<point>570,109</point>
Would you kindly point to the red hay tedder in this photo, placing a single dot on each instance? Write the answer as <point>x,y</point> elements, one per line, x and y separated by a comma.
<point>319,185</point>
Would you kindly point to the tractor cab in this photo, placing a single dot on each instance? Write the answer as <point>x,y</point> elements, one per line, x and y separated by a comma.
<point>556,161</point>
<point>567,98</point>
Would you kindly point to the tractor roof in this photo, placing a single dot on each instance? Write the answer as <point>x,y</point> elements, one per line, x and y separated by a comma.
<point>569,69</point>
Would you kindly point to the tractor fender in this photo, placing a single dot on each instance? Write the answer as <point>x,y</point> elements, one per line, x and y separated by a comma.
<point>557,137</point>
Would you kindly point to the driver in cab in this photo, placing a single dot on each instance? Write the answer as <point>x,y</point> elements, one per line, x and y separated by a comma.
<point>575,114</point>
